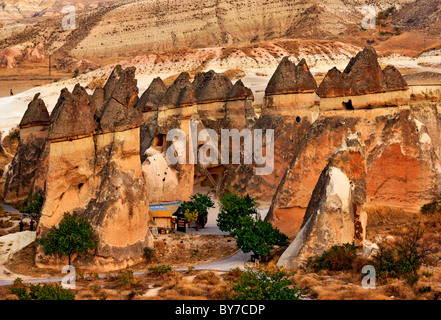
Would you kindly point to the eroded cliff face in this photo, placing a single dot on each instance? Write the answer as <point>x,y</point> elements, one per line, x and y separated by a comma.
<point>210,101</point>
<point>336,212</point>
<point>289,111</point>
<point>34,132</point>
<point>402,154</point>
<point>95,170</point>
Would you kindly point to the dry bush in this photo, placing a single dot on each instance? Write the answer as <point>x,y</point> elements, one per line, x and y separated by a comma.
<point>232,275</point>
<point>207,278</point>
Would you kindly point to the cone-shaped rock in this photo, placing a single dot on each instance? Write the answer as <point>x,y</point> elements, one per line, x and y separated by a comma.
<point>335,214</point>
<point>73,118</point>
<point>211,87</point>
<point>172,97</point>
<point>118,113</point>
<point>363,75</point>
<point>240,92</point>
<point>30,155</point>
<point>291,78</point>
<point>151,98</point>
<point>36,114</point>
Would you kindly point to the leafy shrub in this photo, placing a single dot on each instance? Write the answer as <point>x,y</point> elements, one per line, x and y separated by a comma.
<point>98,292</point>
<point>125,277</point>
<point>191,215</point>
<point>207,277</point>
<point>35,202</point>
<point>265,285</point>
<point>432,208</point>
<point>337,258</point>
<point>47,291</point>
<point>233,209</point>
<point>160,270</point>
<point>5,223</point>
<point>258,236</point>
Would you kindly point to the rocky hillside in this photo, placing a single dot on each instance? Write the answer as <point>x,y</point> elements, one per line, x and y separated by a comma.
<point>145,26</point>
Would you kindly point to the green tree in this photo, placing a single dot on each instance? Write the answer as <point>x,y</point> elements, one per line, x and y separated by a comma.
<point>265,285</point>
<point>258,236</point>
<point>73,235</point>
<point>34,205</point>
<point>234,209</point>
<point>199,202</point>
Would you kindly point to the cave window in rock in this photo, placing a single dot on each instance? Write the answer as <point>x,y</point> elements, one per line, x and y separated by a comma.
<point>298,119</point>
<point>159,142</point>
<point>348,105</point>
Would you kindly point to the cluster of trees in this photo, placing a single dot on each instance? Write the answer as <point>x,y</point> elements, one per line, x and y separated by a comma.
<point>238,215</point>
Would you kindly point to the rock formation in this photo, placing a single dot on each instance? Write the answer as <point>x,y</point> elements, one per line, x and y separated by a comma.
<point>34,54</point>
<point>336,212</point>
<point>8,57</point>
<point>169,182</point>
<point>211,101</point>
<point>96,171</point>
<point>34,133</point>
<point>148,104</point>
<point>291,88</point>
<point>363,85</point>
<point>288,110</point>
<point>403,160</point>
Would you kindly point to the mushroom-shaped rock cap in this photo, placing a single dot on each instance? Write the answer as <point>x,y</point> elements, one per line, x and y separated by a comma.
<point>73,118</point>
<point>175,95</point>
<point>363,75</point>
<point>151,98</point>
<point>211,87</point>
<point>291,78</point>
<point>118,112</point>
<point>240,92</point>
<point>36,114</point>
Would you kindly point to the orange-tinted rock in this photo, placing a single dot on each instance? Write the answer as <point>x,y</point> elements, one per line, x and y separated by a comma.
<point>34,54</point>
<point>336,212</point>
<point>402,152</point>
<point>8,57</point>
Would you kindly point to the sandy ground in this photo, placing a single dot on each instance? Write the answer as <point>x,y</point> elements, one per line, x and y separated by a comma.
<point>10,244</point>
